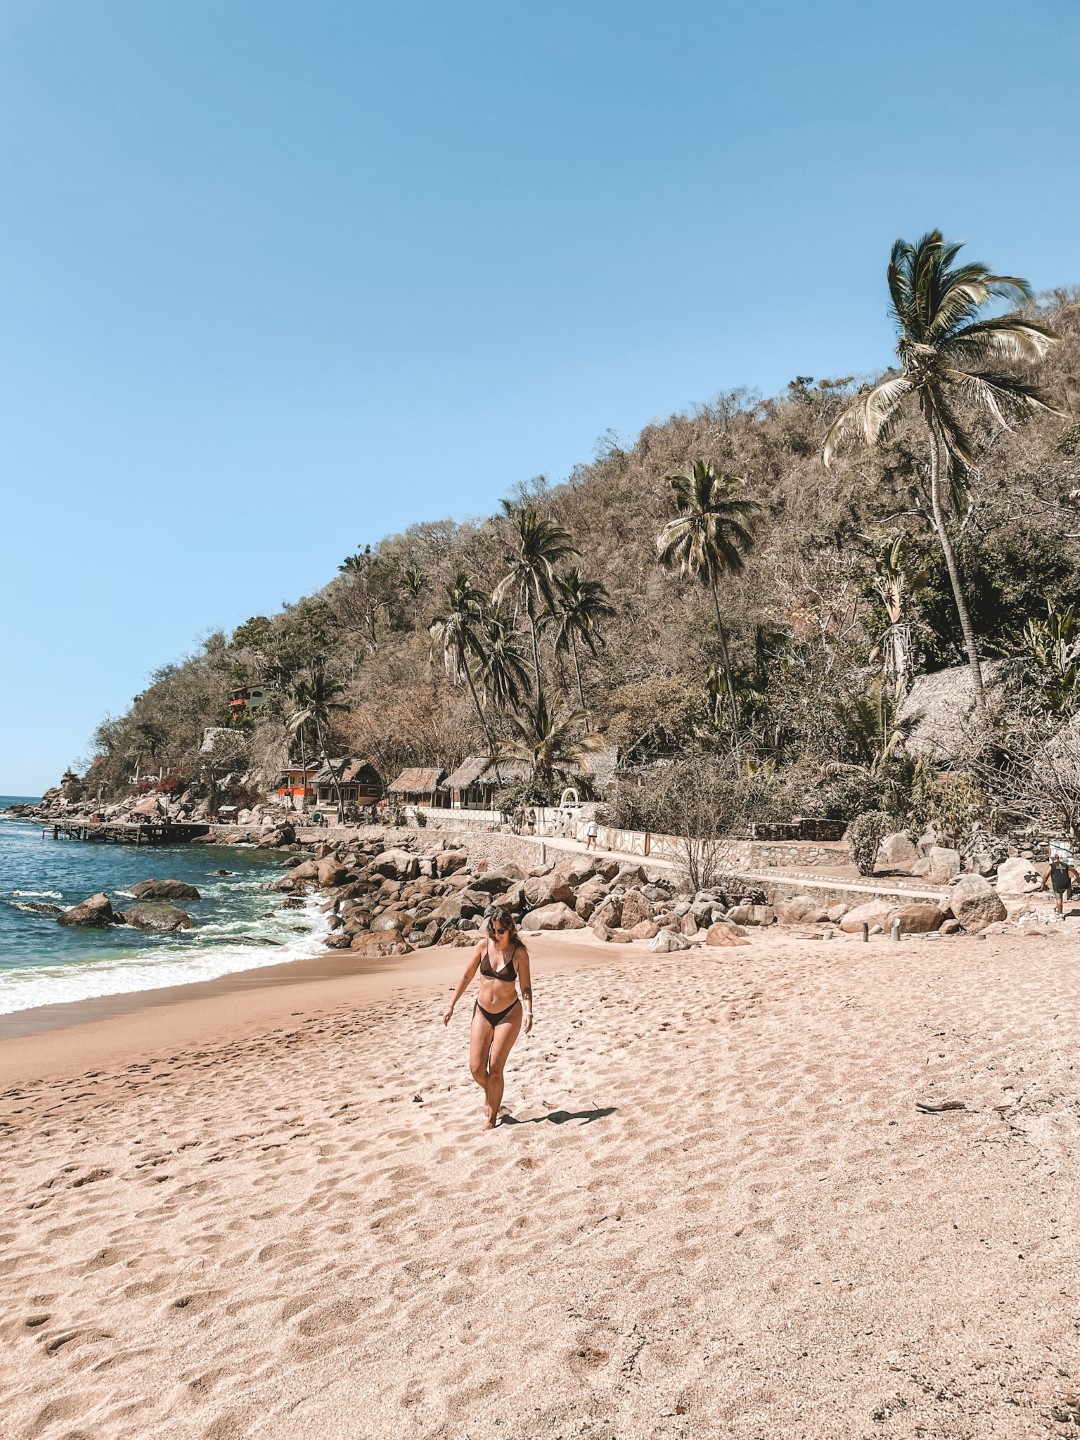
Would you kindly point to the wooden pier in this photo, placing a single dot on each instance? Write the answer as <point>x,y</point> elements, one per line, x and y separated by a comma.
<point>149,832</point>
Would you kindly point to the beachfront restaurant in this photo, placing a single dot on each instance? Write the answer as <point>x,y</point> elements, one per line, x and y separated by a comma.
<point>420,786</point>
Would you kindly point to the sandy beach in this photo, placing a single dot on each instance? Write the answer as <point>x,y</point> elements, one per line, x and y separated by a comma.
<point>266,1207</point>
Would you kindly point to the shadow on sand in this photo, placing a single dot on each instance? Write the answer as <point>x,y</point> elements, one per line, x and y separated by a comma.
<point>562,1117</point>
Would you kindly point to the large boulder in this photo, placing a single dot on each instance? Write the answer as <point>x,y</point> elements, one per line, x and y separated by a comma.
<point>897,852</point>
<point>609,911</point>
<point>543,890</point>
<point>760,915</point>
<point>96,913</point>
<point>722,935</point>
<point>1018,877</point>
<point>512,899</point>
<point>632,876</point>
<point>589,896</point>
<point>635,909</point>
<point>576,869</point>
<point>975,903</point>
<point>666,940</point>
<point>873,912</point>
<point>917,919</point>
<point>306,870</point>
<point>396,865</point>
<point>801,910</point>
<point>557,916</point>
<point>158,915</point>
<point>496,880</point>
<point>447,861</point>
<point>331,872</point>
<point>944,865</point>
<point>382,943</point>
<point>164,890</point>
<point>643,930</point>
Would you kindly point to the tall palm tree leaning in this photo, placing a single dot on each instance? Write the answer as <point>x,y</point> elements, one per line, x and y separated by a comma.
<point>537,545</point>
<point>947,355</point>
<point>707,539</point>
<point>582,605</point>
<point>550,742</point>
<point>457,631</point>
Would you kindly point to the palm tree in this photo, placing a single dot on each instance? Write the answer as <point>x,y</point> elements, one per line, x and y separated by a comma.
<point>582,605</point>
<point>707,539</point>
<point>458,632</point>
<point>948,354</point>
<point>505,671</point>
<point>896,573</point>
<point>537,546</point>
<point>316,696</point>
<point>549,741</point>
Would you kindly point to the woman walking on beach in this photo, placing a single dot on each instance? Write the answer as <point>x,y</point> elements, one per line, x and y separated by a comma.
<point>498,1014</point>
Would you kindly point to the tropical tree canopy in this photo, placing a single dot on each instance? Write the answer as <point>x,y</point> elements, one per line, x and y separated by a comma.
<point>708,538</point>
<point>537,545</point>
<point>948,351</point>
<point>549,740</point>
<point>583,604</point>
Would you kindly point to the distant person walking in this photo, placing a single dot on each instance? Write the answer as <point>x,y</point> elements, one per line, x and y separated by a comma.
<point>498,1014</point>
<point>591,832</point>
<point>1060,874</point>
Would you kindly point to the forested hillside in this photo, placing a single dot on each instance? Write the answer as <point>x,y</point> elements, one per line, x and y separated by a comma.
<point>831,593</point>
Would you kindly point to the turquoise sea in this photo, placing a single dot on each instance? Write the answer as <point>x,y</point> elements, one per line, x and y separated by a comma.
<point>238,924</point>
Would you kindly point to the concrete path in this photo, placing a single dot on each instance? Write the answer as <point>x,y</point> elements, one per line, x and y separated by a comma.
<point>891,886</point>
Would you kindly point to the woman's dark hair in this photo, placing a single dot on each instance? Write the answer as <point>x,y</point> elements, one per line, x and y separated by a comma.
<point>505,918</point>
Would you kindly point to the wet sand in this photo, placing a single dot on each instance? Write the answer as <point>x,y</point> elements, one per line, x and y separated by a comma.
<point>265,1207</point>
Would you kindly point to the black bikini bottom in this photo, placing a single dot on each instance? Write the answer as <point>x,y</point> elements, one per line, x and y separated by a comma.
<point>499,1016</point>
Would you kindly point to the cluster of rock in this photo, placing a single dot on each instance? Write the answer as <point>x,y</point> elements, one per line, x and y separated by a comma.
<point>392,901</point>
<point>153,909</point>
<point>263,825</point>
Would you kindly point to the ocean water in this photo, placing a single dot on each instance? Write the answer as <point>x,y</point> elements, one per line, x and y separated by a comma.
<point>238,924</point>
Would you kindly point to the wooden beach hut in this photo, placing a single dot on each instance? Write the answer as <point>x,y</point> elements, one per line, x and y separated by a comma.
<point>477,780</point>
<point>420,786</point>
<point>350,781</point>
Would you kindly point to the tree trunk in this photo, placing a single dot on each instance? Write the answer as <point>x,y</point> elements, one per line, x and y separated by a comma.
<point>954,574</point>
<point>333,778</point>
<point>726,658</point>
<point>535,641</point>
<point>580,686</point>
<point>489,737</point>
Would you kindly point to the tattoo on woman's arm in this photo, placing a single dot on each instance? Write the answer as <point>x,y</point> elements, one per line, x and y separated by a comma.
<point>526,995</point>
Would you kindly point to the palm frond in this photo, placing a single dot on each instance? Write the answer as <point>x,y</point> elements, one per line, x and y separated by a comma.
<point>867,416</point>
<point>1007,398</point>
<point>1001,338</point>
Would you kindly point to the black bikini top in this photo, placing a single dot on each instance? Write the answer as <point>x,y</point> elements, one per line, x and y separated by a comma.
<point>509,973</point>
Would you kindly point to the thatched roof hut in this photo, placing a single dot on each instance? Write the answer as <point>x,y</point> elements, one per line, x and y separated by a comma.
<point>418,779</point>
<point>940,709</point>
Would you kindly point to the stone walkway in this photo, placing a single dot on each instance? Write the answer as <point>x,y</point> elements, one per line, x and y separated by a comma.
<point>892,886</point>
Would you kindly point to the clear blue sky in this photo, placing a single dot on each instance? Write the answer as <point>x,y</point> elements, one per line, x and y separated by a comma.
<point>278,279</point>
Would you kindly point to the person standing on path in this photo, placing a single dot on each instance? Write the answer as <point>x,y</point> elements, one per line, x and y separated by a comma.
<point>498,1014</point>
<point>591,832</point>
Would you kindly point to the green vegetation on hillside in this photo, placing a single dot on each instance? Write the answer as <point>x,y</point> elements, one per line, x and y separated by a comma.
<point>716,594</point>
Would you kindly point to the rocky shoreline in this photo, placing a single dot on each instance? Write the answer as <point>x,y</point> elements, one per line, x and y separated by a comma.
<point>419,891</point>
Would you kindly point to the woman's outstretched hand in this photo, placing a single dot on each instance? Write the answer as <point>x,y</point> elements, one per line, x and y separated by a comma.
<point>447,1015</point>
<point>528,1023</point>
